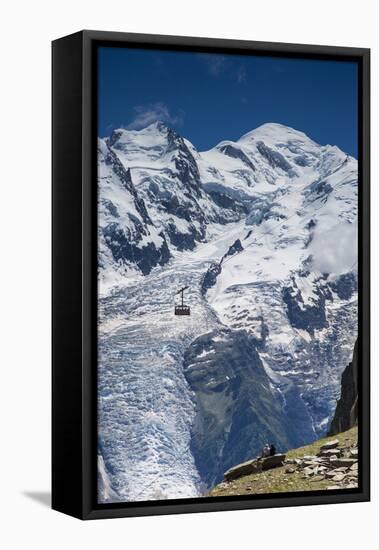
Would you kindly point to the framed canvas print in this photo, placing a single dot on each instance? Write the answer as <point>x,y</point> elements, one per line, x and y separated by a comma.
<point>210,275</point>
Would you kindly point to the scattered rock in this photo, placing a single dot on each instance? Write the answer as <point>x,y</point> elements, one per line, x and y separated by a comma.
<point>330,452</point>
<point>338,477</point>
<point>290,470</point>
<point>339,462</point>
<point>331,474</point>
<point>354,453</point>
<point>330,445</point>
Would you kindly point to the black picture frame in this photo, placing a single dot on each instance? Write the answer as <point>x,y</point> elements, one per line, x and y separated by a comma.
<point>74,272</point>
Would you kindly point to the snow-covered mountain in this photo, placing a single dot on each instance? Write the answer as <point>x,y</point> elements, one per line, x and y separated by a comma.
<point>263,231</point>
<point>128,239</point>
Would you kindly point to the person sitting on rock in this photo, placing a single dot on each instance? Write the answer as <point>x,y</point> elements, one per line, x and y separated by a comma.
<point>265,451</point>
<point>272,450</point>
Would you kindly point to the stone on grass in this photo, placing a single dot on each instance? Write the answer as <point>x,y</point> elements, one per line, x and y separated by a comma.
<point>339,462</point>
<point>329,445</point>
<point>338,477</point>
<point>330,452</point>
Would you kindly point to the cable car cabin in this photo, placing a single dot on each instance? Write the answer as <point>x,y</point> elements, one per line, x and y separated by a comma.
<point>182,309</point>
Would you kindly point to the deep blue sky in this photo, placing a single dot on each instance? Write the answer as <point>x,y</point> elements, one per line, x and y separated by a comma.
<point>208,97</point>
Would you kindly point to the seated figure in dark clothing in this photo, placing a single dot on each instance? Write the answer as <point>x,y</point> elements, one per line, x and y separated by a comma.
<point>272,450</point>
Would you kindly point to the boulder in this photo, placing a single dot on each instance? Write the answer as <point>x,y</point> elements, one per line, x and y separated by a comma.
<point>272,461</point>
<point>243,469</point>
<point>254,466</point>
<point>329,445</point>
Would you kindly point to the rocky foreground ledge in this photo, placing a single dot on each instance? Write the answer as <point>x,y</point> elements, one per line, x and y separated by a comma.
<point>329,463</point>
<point>254,466</point>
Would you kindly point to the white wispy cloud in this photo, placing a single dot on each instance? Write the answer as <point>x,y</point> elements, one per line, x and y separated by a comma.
<point>216,63</point>
<point>221,64</point>
<point>241,74</point>
<point>328,258</point>
<point>147,114</point>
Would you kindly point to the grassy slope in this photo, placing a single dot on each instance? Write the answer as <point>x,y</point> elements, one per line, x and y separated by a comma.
<point>277,480</point>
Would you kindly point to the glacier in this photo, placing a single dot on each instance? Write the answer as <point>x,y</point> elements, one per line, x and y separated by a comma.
<point>263,231</point>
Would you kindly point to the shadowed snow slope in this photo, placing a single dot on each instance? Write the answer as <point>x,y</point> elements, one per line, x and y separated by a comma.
<point>263,231</point>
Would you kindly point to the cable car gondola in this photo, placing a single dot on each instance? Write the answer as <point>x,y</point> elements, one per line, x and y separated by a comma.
<point>182,309</point>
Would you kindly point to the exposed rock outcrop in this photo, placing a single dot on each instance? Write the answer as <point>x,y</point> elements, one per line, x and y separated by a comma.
<point>237,411</point>
<point>346,414</point>
<point>254,466</point>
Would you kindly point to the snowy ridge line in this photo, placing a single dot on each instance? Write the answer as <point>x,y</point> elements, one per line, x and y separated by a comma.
<point>270,232</point>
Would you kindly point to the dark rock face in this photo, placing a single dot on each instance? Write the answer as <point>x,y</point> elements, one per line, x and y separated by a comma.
<point>124,250</point>
<point>345,286</point>
<point>302,160</point>
<point>111,160</point>
<point>308,317</point>
<point>237,411</point>
<point>233,249</point>
<point>210,277</point>
<point>224,201</point>
<point>235,152</point>
<point>320,189</point>
<point>215,268</point>
<point>275,159</point>
<point>124,239</point>
<point>184,241</point>
<point>346,414</point>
